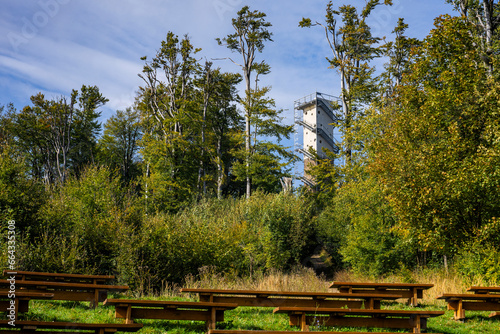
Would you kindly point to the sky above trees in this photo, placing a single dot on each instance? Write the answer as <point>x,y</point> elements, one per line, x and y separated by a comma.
<point>53,46</point>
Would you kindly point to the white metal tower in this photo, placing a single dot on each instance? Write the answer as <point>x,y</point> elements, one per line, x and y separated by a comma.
<point>315,114</point>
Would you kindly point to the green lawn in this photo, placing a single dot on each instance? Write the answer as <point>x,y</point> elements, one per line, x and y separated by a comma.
<point>247,318</point>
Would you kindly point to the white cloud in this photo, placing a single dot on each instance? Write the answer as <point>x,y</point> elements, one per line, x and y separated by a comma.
<point>100,43</point>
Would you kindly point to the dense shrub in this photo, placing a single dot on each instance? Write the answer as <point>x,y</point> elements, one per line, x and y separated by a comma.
<point>21,196</point>
<point>480,262</point>
<point>361,229</point>
<point>236,237</point>
<point>86,225</point>
<point>172,247</point>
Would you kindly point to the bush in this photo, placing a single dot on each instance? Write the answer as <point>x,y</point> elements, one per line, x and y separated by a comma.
<point>480,262</point>
<point>174,246</point>
<point>21,196</point>
<point>91,221</point>
<point>280,232</point>
<point>369,245</point>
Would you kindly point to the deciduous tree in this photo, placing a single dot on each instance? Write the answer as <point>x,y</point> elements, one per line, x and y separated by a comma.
<point>251,34</point>
<point>118,146</point>
<point>353,47</point>
<point>438,153</point>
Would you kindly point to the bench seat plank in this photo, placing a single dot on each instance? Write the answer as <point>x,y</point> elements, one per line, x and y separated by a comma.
<point>21,300</point>
<point>459,303</point>
<point>70,327</point>
<point>57,277</point>
<point>168,303</point>
<point>93,293</point>
<point>381,286</point>
<point>393,313</point>
<point>64,285</point>
<point>303,317</point>
<point>469,296</point>
<point>411,291</point>
<point>484,289</point>
<point>130,309</point>
<point>289,298</point>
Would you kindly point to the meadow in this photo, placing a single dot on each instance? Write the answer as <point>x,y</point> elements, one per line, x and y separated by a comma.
<point>263,318</point>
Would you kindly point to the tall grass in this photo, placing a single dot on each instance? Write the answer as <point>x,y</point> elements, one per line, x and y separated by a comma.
<point>299,279</point>
<point>305,279</point>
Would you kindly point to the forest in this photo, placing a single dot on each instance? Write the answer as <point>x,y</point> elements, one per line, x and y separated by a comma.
<point>189,178</point>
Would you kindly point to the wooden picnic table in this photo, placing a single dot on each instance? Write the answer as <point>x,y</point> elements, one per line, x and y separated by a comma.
<point>459,303</point>
<point>21,301</point>
<point>411,291</point>
<point>65,327</point>
<point>130,309</point>
<point>94,293</point>
<point>304,317</point>
<point>288,298</point>
<point>58,277</point>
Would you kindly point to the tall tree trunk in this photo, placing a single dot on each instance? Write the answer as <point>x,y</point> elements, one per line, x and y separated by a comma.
<point>248,133</point>
<point>220,174</point>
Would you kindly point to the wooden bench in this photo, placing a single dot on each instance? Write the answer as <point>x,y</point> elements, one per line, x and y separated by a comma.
<point>304,317</point>
<point>287,298</point>
<point>129,310</point>
<point>94,293</point>
<point>408,290</point>
<point>65,327</point>
<point>58,277</point>
<point>471,301</point>
<point>20,302</point>
<point>484,289</point>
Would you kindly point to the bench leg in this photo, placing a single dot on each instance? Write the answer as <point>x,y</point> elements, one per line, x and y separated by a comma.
<point>303,323</point>
<point>418,325</point>
<point>414,299</point>
<point>128,317</point>
<point>95,301</point>
<point>460,314</point>
<point>298,319</point>
<point>211,324</point>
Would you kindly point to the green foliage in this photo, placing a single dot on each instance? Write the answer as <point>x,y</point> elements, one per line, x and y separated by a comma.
<point>21,196</point>
<point>51,251</point>
<point>91,218</point>
<point>173,246</point>
<point>484,17</point>
<point>250,26</point>
<point>419,175</point>
<point>85,128</point>
<point>358,228</point>
<point>262,162</point>
<point>235,237</point>
<point>58,137</point>
<point>479,261</point>
<point>118,145</point>
<point>438,155</point>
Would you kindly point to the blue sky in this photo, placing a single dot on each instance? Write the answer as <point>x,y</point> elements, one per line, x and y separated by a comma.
<point>54,46</point>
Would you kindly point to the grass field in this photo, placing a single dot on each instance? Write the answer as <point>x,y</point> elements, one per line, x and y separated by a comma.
<point>263,318</point>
